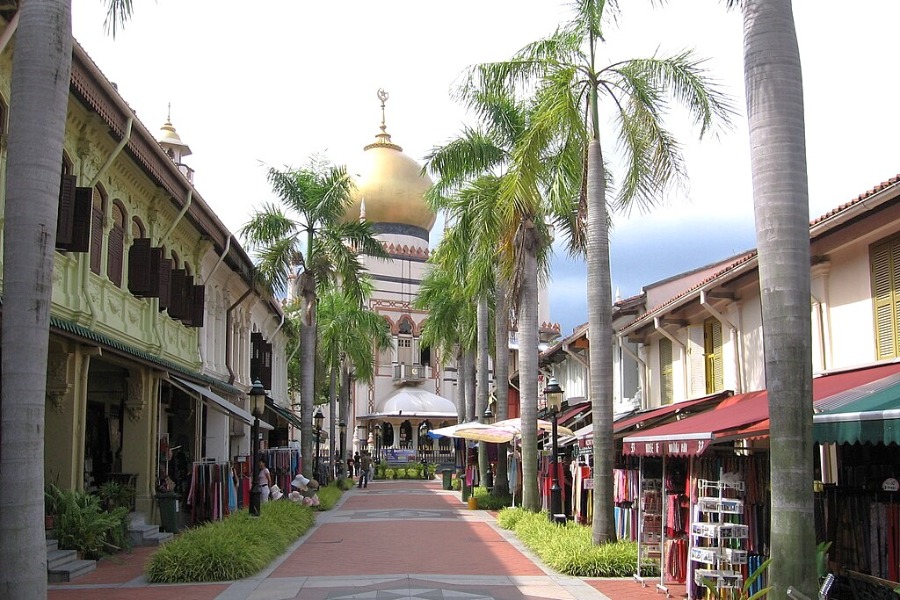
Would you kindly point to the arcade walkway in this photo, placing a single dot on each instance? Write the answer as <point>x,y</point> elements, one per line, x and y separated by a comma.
<point>396,539</point>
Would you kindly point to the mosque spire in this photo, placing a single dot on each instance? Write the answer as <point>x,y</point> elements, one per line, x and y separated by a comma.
<point>384,138</point>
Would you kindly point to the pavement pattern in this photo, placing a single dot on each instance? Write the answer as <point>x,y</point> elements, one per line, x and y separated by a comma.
<point>395,539</point>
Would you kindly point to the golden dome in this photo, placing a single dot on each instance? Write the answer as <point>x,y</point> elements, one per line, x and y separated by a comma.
<point>391,185</point>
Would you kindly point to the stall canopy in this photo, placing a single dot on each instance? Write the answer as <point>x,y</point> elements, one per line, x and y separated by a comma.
<point>741,416</point>
<point>217,402</point>
<point>282,412</point>
<point>870,417</point>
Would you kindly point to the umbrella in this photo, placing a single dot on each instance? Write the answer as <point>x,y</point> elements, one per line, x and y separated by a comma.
<point>502,431</point>
<point>450,431</point>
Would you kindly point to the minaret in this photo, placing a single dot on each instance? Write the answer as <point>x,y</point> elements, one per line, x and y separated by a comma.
<point>174,147</point>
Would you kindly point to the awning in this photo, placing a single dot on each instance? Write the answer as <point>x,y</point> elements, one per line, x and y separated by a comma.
<point>741,416</point>
<point>217,402</point>
<point>871,417</point>
<point>282,412</point>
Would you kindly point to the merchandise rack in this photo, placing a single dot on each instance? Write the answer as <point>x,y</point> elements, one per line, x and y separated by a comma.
<point>713,538</point>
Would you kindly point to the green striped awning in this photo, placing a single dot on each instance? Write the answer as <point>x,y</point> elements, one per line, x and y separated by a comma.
<point>869,418</point>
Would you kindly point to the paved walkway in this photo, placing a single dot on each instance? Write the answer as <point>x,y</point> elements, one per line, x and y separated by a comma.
<point>396,539</point>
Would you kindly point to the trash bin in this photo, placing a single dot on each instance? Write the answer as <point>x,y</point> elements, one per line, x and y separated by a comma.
<point>168,511</point>
<point>473,502</point>
<point>448,479</point>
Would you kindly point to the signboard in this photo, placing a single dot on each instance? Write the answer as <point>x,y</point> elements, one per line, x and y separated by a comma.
<point>399,455</point>
<point>670,448</point>
<point>890,485</point>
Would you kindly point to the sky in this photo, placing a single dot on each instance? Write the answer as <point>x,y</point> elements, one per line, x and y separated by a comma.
<point>289,79</point>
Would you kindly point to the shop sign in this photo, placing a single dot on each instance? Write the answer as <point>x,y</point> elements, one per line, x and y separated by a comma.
<point>890,485</point>
<point>673,447</point>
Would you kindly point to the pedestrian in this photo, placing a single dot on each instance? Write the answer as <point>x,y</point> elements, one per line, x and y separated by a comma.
<point>350,466</point>
<point>264,480</point>
<point>365,465</point>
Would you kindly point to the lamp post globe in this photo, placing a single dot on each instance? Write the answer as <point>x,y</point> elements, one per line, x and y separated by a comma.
<point>257,396</point>
<point>554,394</point>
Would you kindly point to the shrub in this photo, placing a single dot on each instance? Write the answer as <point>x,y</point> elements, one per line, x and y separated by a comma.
<point>569,549</point>
<point>400,473</point>
<point>488,501</point>
<point>82,525</point>
<point>329,496</point>
<point>389,473</point>
<point>115,495</point>
<point>237,547</point>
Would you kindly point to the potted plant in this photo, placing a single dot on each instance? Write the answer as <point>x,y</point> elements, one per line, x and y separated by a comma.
<point>116,495</point>
<point>52,500</point>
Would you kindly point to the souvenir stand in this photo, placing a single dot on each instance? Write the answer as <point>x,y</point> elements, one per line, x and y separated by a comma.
<point>213,494</point>
<point>283,463</point>
<point>650,526</point>
<point>717,535</point>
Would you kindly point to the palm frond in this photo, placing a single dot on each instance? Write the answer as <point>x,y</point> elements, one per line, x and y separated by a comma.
<point>118,12</point>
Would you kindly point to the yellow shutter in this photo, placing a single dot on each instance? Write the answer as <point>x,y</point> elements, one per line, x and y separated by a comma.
<point>884,260</point>
<point>666,395</point>
<point>712,352</point>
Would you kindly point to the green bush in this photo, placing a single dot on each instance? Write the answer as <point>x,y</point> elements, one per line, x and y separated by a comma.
<point>569,549</point>
<point>82,525</point>
<point>488,501</point>
<point>400,473</point>
<point>389,473</point>
<point>329,496</point>
<point>238,547</point>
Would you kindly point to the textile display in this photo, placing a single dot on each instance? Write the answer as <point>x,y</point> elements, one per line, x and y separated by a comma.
<point>211,492</point>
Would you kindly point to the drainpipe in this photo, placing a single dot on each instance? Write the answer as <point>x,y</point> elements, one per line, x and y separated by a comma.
<point>115,153</point>
<point>219,262</point>
<point>657,324</point>
<point>184,209</point>
<point>735,340</point>
<point>819,321</point>
<point>86,259</point>
<point>9,31</point>
<point>228,342</point>
<point>643,380</point>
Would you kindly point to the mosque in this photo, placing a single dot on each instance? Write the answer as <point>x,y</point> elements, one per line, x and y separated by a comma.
<point>411,392</point>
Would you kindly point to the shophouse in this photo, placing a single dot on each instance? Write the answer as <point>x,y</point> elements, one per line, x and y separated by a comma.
<point>157,324</point>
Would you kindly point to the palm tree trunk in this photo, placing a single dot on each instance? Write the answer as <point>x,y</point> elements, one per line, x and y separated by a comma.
<point>501,383</point>
<point>601,356</point>
<point>307,394</point>
<point>528,375</point>
<point>461,386</point>
<point>481,381</point>
<point>781,205</point>
<point>332,413</point>
<point>39,98</point>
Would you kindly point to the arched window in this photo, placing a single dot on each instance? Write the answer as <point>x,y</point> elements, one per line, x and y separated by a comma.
<point>98,210</point>
<point>115,244</point>
<point>138,230</point>
<point>404,341</point>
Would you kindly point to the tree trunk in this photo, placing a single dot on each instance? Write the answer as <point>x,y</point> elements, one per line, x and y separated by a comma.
<point>600,356</point>
<point>471,413</point>
<point>781,205</point>
<point>501,379</point>
<point>528,375</point>
<point>481,382</point>
<point>38,101</point>
<point>332,413</point>
<point>307,395</point>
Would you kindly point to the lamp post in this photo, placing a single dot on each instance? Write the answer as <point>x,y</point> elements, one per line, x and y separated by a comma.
<point>489,474</point>
<point>257,407</point>
<point>342,462</point>
<point>318,417</point>
<point>553,393</point>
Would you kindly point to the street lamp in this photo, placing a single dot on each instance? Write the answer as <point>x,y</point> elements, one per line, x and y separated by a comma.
<point>553,393</point>
<point>488,418</point>
<point>257,407</point>
<point>342,427</point>
<point>318,417</point>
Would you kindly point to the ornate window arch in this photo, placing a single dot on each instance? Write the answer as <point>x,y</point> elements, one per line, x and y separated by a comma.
<point>115,243</point>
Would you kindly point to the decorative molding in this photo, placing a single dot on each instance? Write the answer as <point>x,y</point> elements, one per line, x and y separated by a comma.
<point>134,397</point>
<point>59,380</point>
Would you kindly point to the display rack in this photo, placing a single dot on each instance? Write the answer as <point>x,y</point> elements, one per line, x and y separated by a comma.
<point>715,534</point>
<point>650,527</point>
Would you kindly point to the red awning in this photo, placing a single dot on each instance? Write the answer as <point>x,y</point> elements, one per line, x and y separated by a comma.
<point>743,415</point>
<point>576,410</point>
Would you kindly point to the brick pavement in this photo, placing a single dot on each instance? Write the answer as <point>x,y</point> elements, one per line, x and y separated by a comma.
<point>396,539</point>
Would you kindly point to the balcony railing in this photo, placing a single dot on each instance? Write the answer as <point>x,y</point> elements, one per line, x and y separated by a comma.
<point>404,373</point>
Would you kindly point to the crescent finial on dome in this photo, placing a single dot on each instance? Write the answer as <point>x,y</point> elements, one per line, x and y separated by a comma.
<point>384,138</point>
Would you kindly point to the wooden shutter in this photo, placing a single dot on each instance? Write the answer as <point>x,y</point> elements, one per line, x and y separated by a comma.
<point>884,262</point>
<point>176,293</point>
<point>115,252</point>
<point>139,267</point>
<point>256,343</point>
<point>198,305</point>
<point>666,391</point>
<point>265,370</point>
<point>712,353</point>
<point>96,235</point>
<point>81,229</point>
<point>187,300</point>
<point>161,276</point>
<point>65,219</point>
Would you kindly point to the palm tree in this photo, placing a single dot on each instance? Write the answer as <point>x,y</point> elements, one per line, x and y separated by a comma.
<point>562,75</point>
<point>311,236</point>
<point>39,98</point>
<point>349,335</point>
<point>774,89</point>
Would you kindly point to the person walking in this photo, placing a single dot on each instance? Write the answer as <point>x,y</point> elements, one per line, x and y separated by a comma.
<point>365,464</point>
<point>264,480</point>
<point>350,467</point>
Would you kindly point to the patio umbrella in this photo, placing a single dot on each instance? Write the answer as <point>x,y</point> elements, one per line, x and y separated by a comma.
<point>450,431</point>
<point>502,431</point>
